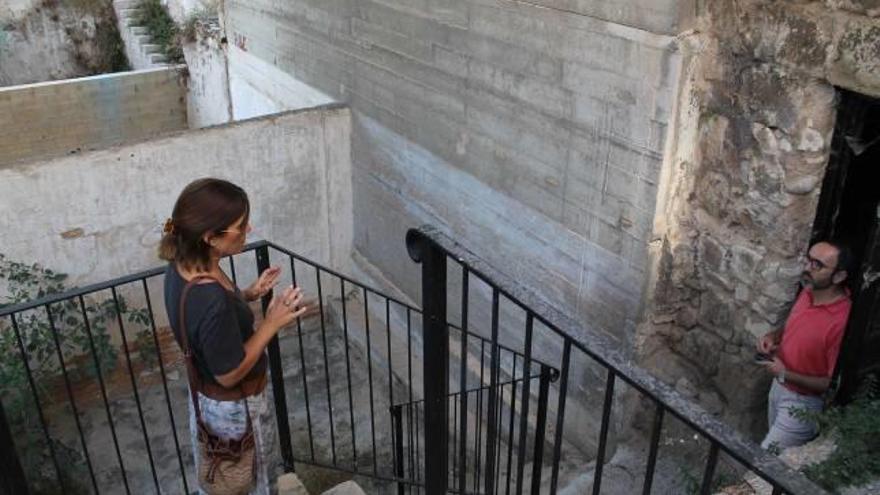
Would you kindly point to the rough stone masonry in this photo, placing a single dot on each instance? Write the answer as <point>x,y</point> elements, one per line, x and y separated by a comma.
<point>758,107</point>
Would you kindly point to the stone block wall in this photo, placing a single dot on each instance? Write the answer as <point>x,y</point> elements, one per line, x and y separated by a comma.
<point>533,132</point>
<point>76,115</point>
<point>757,119</point>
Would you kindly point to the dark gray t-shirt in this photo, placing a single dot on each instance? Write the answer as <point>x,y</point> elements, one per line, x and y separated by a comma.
<point>218,323</point>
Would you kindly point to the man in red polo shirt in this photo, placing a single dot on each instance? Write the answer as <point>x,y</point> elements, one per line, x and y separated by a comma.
<point>805,351</point>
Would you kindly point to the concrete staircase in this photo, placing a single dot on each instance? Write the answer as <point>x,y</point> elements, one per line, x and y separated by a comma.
<point>139,47</point>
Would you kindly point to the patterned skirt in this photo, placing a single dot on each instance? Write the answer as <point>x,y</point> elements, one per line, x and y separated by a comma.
<point>227,420</point>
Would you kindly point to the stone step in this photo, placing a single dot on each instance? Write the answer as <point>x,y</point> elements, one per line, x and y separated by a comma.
<point>289,484</point>
<point>149,48</point>
<point>346,488</point>
<point>158,58</point>
<point>138,30</point>
<point>128,13</point>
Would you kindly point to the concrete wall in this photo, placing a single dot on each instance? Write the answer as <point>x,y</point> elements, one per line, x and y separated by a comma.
<point>99,214</point>
<point>62,117</point>
<point>557,113</point>
<point>260,88</point>
<point>228,84</point>
<point>207,94</point>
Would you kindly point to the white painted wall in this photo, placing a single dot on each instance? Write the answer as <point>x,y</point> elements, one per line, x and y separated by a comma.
<point>228,84</point>
<point>111,203</point>
<point>260,88</point>
<point>207,97</point>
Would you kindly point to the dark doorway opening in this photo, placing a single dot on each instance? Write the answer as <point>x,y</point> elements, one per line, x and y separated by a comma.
<point>848,210</point>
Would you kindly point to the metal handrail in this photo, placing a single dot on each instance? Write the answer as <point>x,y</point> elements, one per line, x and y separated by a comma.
<point>603,351</point>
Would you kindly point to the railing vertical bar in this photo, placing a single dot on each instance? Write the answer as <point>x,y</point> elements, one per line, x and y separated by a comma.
<point>409,379</point>
<point>397,434</point>
<point>418,459</point>
<point>411,443</point>
<point>499,418</point>
<point>491,430</point>
<point>603,432</point>
<point>540,429</point>
<point>326,365</point>
<point>279,392</point>
<point>137,397</point>
<point>302,360</point>
<point>435,366</point>
<point>526,396</point>
<point>462,378</point>
<point>370,377</point>
<point>98,372</point>
<point>348,374</point>
<point>478,450</point>
<point>454,450</point>
<point>656,428</point>
<point>232,270</point>
<point>560,414</point>
<point>390,374</point>
<point>34,391</point>
<point>709,473</point>
<point>70,396</point>
<point>164,381</point>
<point>510,426</point>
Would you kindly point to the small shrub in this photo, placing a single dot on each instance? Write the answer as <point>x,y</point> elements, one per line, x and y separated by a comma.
<point>84,343</point>
<point>856,429</point>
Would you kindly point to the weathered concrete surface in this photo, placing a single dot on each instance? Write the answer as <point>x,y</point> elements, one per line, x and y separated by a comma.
<point>184,10</point>
<point>227,84</point>
<point>535,135</point>
<point>260,88</point>
<point>295,166</point>
<point>289,484</point>
<point>208,101</point>
<point>346,488</point>
<point>67,117</point>
<point>51,40</point>
<point>154,406</point>
<point>754,130</point>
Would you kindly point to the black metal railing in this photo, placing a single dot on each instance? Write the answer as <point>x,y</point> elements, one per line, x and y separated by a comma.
<point>558,346</point>
<point>370,385</point>
<point>104,424</point>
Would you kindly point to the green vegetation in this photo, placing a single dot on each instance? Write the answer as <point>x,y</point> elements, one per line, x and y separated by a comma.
<point>856,431</point>
<point>161,28</point>
<point>31,348</point>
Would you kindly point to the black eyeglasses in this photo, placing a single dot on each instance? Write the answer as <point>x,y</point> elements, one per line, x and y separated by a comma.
<point>813,263</point>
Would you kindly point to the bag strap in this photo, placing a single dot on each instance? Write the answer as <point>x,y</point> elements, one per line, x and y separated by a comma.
<point>191,370</point>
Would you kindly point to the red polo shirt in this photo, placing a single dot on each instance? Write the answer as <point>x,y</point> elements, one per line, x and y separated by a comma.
<point>812,336</point>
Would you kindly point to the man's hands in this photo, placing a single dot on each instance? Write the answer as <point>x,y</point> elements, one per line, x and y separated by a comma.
<point>774,366</point>
<point>267,281</point>
<point>768,343</point>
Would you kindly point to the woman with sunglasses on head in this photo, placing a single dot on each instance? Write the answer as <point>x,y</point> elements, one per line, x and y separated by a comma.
<point>211,319</point>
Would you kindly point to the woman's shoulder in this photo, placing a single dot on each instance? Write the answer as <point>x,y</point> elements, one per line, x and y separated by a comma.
<point>205,290</point>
